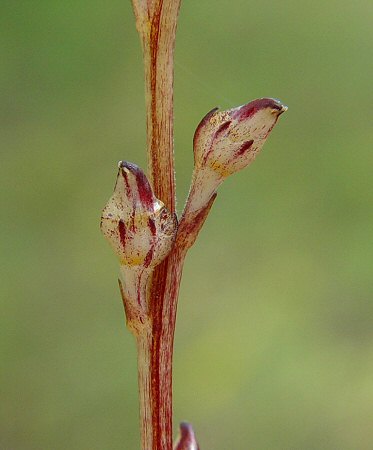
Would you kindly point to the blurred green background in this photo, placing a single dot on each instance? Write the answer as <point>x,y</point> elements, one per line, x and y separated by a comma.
<point>274,344</point>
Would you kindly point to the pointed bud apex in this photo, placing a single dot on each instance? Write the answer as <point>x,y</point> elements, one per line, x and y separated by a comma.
<point>138,226</point>
<point>187,440</point>
<point>227,141</point>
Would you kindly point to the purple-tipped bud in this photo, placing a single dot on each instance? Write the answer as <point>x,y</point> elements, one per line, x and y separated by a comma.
<point>138,226</point>
<point>187,440</point>
<point>227,141</point>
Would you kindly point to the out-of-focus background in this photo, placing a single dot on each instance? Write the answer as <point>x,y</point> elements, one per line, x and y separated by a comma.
<point>274,343</point>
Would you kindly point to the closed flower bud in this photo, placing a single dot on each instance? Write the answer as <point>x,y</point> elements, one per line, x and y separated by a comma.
<point>227,141</point>
<point>224,143</point>
<point>138,226</point>
<point>187,440</point>
<point>141,231</point>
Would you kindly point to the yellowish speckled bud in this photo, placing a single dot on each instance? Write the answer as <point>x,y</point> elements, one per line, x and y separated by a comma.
<point>141,231</point>
<point>138,226</point>
<point>224,143</point>
<point>228,141</point>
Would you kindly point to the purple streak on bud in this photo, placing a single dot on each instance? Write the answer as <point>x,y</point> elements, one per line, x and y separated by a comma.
<point>153,230</point>
<point>223,127</point>
<point>149,257</point>
<point>187,440</point>
<point>244,147</point>
<point>204,122</point>
<point>246,111</point>
<point>152,226</point>
<point>219,134</point>
<point>145,191</point>
<point>122,233</point>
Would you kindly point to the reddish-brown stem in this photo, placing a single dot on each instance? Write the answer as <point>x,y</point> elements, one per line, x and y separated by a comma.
<point>156,22</point>
<point>163,312</point>
<point>144,379</point>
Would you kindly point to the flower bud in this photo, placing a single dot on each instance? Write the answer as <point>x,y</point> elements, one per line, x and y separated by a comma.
<point>141,231</point>
<point>227,141</point>
<point>187,440</point>
<point>224,143</point>
<point>138,226</point>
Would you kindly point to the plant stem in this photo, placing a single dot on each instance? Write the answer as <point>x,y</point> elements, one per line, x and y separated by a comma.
<point>156,22</point>
<point>144,379</point>
<point>163,312</point>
